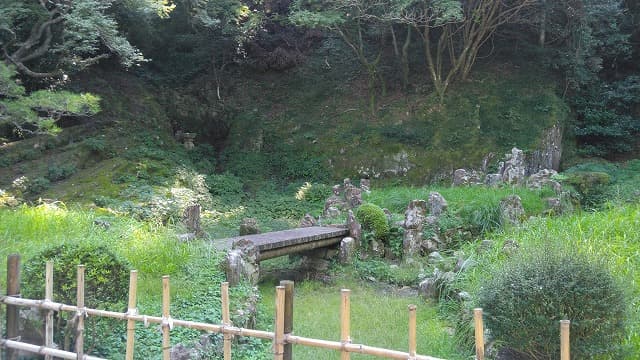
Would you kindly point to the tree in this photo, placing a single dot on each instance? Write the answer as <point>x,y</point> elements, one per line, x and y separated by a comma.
<point>38,112</point>
<point>47,38</point>
<point>453,32</point>
<point>44,41</point>
<point>356,22</point>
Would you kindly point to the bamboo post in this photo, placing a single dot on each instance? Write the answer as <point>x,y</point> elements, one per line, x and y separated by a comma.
<point>479,332</point>
<point>288,316</point>
<point>345,318</point>
<point>564,339</point>
<point>278,339</point>
<point>13,289</point>
<point>166,320</point>
<point>412,332</point>
<point>48,296</point>
<point>80,314</point>
<point>131,310</point>
<point>226,321</point>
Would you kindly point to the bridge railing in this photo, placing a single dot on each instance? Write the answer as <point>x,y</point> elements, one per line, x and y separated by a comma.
<point>282,336</point>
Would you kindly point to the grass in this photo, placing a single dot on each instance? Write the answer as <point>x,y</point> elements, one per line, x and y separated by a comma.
<point>611,235</point>
<point>378,318</point>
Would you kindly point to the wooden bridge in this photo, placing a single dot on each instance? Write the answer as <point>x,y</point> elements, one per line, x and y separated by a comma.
<point>279,243</point>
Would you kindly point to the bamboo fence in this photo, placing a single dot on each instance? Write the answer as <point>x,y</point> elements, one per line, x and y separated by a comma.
<point>282,336</point>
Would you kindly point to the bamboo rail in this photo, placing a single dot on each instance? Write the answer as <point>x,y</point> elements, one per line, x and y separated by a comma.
<point>224,295</point>
<point>48,296</point>
<point>282,336</point>
<point>479,333</point>
<point>564,340</point>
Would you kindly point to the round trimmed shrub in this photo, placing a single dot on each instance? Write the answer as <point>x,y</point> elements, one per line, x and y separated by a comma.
<point>373,219</point>
<point>525,299</point>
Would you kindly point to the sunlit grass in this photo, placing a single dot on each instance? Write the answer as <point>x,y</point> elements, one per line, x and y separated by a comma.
<point>152,250</point>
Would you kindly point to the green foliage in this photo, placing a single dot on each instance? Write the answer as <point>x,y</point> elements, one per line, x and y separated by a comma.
<point>107,275</point>
<point>606,123</point>
<point>38,111</point>
<point>590,185</point>
<point>524,299</point>
<point>375,220</point>
<point>57,172</point>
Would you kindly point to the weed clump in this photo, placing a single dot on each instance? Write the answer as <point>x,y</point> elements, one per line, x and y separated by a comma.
<point>527,297</point>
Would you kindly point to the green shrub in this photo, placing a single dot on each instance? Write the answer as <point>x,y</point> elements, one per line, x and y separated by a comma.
<point>37,185</point>
<point>375,220</point>
<point>60,172</point>
<point>525,299</point>
<point>107,275</point>
<point>590,185</point>
<point>106,286</point>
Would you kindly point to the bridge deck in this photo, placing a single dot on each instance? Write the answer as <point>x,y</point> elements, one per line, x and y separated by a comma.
<point>272,241</point>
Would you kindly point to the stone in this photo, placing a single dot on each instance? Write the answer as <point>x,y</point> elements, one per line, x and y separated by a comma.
<point>463,177</point>
<point>463,296</point>
<point>413,224</point>
<point>355,229</point>
<point>541,178</point>
<point>437,204</point>
<point>554,206</point>
<point>513,169</point>
<point>182,352</point>
<point>511,210</point>
<point>388,214</point>
<point>102,223</point>
<point>347,250</point>
<point>186,237</point>
<point>249,226</point>
<point>308,221</point>
<point>352,196</point>
<point>435,258</point>
<point>460,177</point>
<point>485,246</point>
<point>510,247</point>
<point>241,263</point>
<point>332,212</point>
<point>436,285</point>
<point>464,264</point>
<point>493,180</point>
<point>188,139</point>
<point>191,219</point>
<point>365,185</point>
<point>415,214</point>
<point>427,288</point>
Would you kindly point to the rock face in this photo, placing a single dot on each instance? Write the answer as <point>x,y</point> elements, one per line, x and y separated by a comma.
<point>511,210</point>
<point>242,263</point>
<point>414,218</point>
<point>549,154</point>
